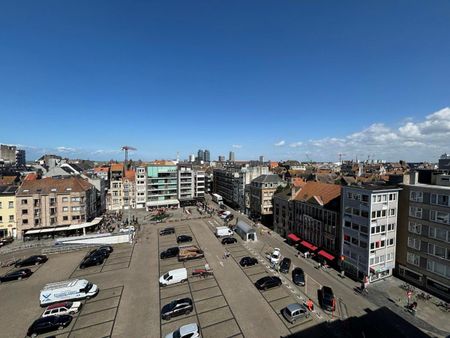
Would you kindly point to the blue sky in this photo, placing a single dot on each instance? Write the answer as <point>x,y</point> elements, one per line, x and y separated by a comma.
<point>275,78</point>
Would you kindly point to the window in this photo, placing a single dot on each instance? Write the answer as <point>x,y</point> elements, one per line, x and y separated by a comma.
<point>389,257</point>
<point>65,209</point>
<point>76,208</point>
<point>365,198</point>
<point>354,240</point>
<point>363,244</point>
<point>24,202</point>
<point>416,196</point>
<point>438,268</point>
<point>11,218</point>
<point>383,228</point>
<point>0,205</point>
<point>1,219</point>
<point>390,241</point>
<point>65,199</point>
<point>371,261</point>
<point>382,244</point>
<point>440,217</point>
<point>438,233</point>
<point>75,199</point>
<point>355,211</point>
<point>364,213</point>
<point>391,227</point>
<point>364,229</point>
<point>412,258</point>
<point>25,212</point>
<point>348,224</point>
<point>355,226</point>
<point>440,199</point>
<point>24,221</point>
<point>346,238</point>
<point>350,195</point>
<point>348,210</point>
<point>391,212</point>
<point>372,246</point>
<point>414,243</point>
<point>415,228</point>
<point>392,197</point>
<point>10,204</point>
<point>65,218</point>
<point>415,212</point>
<point>436,250</point>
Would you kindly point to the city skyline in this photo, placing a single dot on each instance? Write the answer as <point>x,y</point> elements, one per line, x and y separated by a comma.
<point>289,81</point>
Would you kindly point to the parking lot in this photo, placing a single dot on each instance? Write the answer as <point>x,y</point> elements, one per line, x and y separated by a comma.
<point>226,304</point>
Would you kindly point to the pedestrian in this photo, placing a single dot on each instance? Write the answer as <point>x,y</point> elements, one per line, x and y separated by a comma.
<point>310,305</point>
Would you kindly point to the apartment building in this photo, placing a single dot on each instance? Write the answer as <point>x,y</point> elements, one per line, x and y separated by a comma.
<point>129,190</point>
<point>54,201</point>
<point>200,184</point>
<point>283,212</point>
<point>162,186</point>
<point>8,226</point>
<point>262,190</point>
<point>186,183</point>
<point>230,183</point>
<point>141,187</point>
<point>369,230</point>
<point>115,193</point>
<point>423,235</point>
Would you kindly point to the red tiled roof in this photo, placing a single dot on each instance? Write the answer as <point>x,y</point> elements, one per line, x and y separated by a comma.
<point>61,185</point>
<point>117,167</point>
<point>322,192</point>
<point>101,169</point>
<point>130,175</point>
<point>31,177</point>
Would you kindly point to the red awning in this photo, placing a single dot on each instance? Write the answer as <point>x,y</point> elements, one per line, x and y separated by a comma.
<point>326,255</point>
<point>309,246</point>
<point>293,237</point>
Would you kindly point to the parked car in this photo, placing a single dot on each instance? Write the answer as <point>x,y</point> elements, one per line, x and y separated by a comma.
<point>229,240</point>
<point>48,324</point>
<point>177,308</point>
<point>248,261</point>
<point>285,265</point>
<point>98,252</point>
<point>107,248</point>
<point>167,231</point>
<point>6,240</point>
<point>32,260</point>
<point>295,311</point>
<point>170,252</point>
<point>184,239</point>
<point>63,308</point>
<point>326,298</point>
<point>298,276</point>
<point>16,275</point>
<point>275,256</point>
<point>185,331</point>
<point>229,218</point>
<point>92,261</point>
<point>267,282</point>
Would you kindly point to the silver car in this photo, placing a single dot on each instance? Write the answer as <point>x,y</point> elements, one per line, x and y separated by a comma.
<point>295,311</point>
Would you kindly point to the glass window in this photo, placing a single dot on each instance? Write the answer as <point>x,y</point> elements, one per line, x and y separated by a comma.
<point>10,204</point>
<point>440,217</point>
<point>415,212</point>
<point>412,258</point>
<point>416,196</point>
<point>391,212</point>
<point>414,227</point>
<point>414,243</point>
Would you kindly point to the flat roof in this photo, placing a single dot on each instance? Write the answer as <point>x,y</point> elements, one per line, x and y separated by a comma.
<point>431,186</point>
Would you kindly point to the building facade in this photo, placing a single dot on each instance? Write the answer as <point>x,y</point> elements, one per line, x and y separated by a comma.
<point>8,154</point>
<point>262,190</point>
<point>162,186</point>
<point>52,201</point>
<point>369,231</point>
<point>8,226</point>
<point>115,193</point>
<point>141,187</point>
<point>423,243</point>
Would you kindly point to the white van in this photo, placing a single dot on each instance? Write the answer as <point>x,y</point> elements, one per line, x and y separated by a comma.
<point>173,277</point>
<point>225,214</point>
<point>223,232</point>
<point>67,290</point>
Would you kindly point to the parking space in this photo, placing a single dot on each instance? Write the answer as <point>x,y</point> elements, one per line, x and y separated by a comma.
<point>212,312</point>
<point>120,258</point>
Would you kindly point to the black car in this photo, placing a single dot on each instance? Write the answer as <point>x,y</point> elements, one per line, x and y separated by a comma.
<point>285,265</point>
<point>167,231</point>
<point>47,324</point>
<point>248,261</point>
<point>176,308</point>
<point>229,218</point>
<point>91,261</point>
<point>267,282</point>
<point>184,239</point>
<point>170,252</point>
<point>107,248</point>
<point>16,275</point>
<point>327,300</point>
<point>229,240</point>
<point>32,260</point>
<point>98,252</point>
<point>298,276</point>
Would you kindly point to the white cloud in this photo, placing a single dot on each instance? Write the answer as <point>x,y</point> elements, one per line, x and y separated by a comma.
<point>65,150</point>
<point>412,141</point>
<point>295,144</point>
<point>280,143</point>
<point>237,146</point>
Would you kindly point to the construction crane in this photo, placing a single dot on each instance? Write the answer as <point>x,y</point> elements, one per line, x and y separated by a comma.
<point>340,157</point>
<point>126,190</point>
<point>309,158</point>
<point>126,148</point>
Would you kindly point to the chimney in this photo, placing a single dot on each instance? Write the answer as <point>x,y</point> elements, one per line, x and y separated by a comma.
<point>414,177</point>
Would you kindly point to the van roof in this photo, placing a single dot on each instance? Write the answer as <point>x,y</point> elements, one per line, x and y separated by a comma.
<point>64,284</point>
<point>181,270</point>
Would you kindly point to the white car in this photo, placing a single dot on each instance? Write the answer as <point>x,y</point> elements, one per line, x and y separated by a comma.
<point>185,331</point>
<point>63,308</point>
<point>127,229</point>
<point>275,256</point>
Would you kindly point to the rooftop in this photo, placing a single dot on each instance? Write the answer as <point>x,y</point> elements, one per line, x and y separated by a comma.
<point>322,192</point>
<point>8,189</point>
<point>54,185</point>
<point>268,179</point>
<point>374,187</point>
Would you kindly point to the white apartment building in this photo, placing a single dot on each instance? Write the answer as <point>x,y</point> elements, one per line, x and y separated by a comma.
<point>141,187</point>
<point>369,228</point>
<point>200,184</point>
